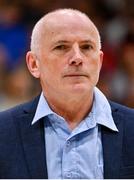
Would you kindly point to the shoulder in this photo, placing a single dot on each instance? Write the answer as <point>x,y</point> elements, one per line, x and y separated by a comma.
<point>123,115</point>
<point>121,108</point>
<point>11,115</point>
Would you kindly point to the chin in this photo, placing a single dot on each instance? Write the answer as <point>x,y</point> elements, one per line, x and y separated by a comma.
<point>80,88</point>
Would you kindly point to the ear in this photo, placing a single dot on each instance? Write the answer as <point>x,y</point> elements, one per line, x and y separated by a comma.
<point>101,58</point>
<point>33,64</point>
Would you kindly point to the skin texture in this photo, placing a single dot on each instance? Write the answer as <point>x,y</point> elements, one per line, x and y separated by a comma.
<point>68,63</point>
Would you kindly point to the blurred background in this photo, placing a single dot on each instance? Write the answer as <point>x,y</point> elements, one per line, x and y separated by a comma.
<point>115,21</point>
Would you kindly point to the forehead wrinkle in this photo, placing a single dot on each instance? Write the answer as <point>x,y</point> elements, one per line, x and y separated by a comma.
<point>74,37</point>
<point>88,41</point>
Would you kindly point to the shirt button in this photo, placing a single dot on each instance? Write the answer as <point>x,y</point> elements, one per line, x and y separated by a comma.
<point>68,143</point>
<point>68,175</point>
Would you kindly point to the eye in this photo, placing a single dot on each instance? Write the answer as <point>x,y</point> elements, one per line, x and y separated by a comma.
<point>61,47</point>
<point>86,47</point>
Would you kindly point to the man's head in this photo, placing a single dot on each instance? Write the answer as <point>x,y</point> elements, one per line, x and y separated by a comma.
<point>65,53</point>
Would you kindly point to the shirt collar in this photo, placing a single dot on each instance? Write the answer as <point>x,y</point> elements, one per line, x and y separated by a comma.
<point>101,110</point>
<point>42,110</point>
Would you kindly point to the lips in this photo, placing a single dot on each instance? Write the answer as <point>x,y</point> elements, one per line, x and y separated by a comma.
<point>75,75</point>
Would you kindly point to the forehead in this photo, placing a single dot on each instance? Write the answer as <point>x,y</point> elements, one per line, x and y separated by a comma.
<point>68,25</point>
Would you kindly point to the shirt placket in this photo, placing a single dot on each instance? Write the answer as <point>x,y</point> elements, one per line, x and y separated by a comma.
<point>70,159</point>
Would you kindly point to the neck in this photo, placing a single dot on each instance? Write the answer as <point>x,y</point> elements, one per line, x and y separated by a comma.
<point>73,110</point>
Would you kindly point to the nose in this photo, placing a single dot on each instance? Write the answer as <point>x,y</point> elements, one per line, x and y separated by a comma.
<point>76,56</point>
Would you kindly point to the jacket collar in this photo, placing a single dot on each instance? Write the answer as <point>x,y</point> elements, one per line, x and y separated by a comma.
<point>112,145</point>
<point>32,139</point>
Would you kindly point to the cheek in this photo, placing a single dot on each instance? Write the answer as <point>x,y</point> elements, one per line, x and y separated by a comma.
<point>50,71</point>
<point>53,62</point>
<point>94,69</point>
<point>95,74</point>
<point>96,62</point>
<point>94,66</point>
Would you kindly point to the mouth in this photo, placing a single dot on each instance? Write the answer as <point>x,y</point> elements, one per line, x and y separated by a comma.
<point>75,75</point>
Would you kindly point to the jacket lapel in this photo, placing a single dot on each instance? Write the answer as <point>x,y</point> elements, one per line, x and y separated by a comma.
<point>112,147</point>
<point>33,144</point>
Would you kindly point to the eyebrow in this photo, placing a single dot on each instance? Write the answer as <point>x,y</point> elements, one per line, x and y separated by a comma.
<point>87,41</point>
<point>61,42</point>
<point>65,41</point>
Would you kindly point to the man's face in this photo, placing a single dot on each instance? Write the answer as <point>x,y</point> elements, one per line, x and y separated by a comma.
<point>69,59</point>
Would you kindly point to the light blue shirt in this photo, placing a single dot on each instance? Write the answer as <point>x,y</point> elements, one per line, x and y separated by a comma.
<point>75,154</point>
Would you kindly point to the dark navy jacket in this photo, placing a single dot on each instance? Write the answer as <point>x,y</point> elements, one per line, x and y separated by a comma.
<point>22,147</point>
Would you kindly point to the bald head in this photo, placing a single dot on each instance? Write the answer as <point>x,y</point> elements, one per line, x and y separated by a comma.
<point>58,18</point>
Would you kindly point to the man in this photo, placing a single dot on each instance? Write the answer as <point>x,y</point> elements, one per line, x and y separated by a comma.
<point>71,130</point>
